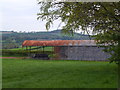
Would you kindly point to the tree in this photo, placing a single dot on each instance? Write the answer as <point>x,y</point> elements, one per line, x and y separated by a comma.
<point>102,17</point>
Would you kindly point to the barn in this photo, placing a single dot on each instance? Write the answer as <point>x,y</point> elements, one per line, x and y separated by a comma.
<point>72,49</point>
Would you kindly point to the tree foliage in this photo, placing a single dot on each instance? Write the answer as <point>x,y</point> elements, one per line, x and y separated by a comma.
<point>102,17</point>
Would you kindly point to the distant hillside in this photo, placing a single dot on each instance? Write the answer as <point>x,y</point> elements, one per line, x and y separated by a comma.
<point>6,32</point>
<point>12,39</point>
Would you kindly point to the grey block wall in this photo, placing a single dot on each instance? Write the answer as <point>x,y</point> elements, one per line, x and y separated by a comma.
<point>83,53</point>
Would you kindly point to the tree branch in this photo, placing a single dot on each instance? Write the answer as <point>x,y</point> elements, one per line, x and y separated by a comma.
<point>109,13</point>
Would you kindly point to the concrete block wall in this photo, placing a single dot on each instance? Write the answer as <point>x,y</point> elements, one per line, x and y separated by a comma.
<point>83,53</point>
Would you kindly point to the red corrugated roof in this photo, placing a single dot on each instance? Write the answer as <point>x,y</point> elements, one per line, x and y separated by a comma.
<point>58,43</point>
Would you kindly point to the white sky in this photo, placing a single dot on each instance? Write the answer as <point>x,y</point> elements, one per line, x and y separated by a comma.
<point>21,15</point>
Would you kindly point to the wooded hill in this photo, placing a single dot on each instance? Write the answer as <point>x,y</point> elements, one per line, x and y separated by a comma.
<point>11,39</point>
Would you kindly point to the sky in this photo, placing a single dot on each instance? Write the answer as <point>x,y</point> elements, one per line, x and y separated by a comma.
<point>21,15</point>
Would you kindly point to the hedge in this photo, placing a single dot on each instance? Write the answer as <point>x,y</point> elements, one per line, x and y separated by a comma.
<point>6,52</point>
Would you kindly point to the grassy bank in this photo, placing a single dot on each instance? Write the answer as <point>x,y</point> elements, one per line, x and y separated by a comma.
<point>27,73</point>
<point>34,48</point>
<point>19,52</point>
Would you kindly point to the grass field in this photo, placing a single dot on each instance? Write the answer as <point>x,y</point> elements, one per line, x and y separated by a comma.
<point>27,73</point>
<point>24,48</point>
<point>22,52</point>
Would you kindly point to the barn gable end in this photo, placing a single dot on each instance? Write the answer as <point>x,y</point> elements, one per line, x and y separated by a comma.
<point>92,53</point>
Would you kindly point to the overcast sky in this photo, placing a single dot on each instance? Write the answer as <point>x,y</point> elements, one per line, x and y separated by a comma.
<point>21,15</point>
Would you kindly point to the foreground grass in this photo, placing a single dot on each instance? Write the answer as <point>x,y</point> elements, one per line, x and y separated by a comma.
<point>58,74</point>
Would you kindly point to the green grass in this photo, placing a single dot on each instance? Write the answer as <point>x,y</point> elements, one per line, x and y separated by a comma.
<point>19,52</point>
<point>58,74</point>
<point>24,48</point>
<point>11,56</point>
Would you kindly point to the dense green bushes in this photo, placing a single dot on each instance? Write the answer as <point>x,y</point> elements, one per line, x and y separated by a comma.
<point>6,52</point>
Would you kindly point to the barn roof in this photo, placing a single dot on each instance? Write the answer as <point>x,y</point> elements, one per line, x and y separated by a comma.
<point>59,43</point>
